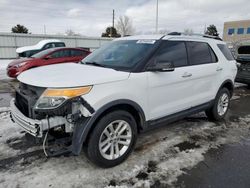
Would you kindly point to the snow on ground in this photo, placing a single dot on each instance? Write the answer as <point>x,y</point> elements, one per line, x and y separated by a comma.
<point>237,85</point>
<point>7,132</point>
<point>159,158</point>
<point>3,65</point>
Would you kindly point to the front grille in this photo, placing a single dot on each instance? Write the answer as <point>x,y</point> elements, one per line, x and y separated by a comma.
<point>26,97</point>
<point>22,104</point>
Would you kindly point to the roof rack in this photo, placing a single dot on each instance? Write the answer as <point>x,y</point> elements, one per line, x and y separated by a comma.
<point>195,34</point>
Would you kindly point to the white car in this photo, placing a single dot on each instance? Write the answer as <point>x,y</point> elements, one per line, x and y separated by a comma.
<point>123,88</point>
<point>28,51</point>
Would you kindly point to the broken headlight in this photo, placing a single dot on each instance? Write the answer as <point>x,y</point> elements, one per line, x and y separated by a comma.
<point>53,98</point>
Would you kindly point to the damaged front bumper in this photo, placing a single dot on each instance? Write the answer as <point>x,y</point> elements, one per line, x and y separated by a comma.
<point>33,126</point>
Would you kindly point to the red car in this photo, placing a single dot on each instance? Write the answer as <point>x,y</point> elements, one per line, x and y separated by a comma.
<point>46,57</point>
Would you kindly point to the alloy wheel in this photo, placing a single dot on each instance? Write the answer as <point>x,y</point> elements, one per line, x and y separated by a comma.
<point>115,139</point>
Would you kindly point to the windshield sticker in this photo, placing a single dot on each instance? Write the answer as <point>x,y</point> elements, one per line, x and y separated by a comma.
<point>146,41</point>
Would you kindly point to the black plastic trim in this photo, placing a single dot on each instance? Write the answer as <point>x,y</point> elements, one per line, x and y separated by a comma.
<point>86,105</point>
<point>141,67</point>
<point>225,82</point>
<point>83,127</point>
<point>179,115</point>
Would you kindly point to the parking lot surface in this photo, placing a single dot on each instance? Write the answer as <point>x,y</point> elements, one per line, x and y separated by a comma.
<point>188,153</point>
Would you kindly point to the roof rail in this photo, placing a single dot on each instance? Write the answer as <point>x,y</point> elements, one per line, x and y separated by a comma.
<point>195,34</point>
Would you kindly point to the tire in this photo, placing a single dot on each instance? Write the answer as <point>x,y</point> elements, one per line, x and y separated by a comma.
<point>219,109</point>
<point>103,137</point>
<point>248,86</point>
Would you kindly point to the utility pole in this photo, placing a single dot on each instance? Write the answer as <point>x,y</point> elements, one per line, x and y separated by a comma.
<point>156,23</point>
<point>205,29</point>
<point>113,20</point>
<point>44,29</point>
<point>113,24</point>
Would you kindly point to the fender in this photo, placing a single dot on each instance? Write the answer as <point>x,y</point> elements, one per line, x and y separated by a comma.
<point>83,127</point>
<point>231,83</point>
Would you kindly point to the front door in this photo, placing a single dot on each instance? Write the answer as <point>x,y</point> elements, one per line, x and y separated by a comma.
<point>169,92</point>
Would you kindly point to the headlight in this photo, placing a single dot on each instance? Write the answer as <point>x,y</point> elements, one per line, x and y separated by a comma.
<point>52,98</point>
<point>21,64</point>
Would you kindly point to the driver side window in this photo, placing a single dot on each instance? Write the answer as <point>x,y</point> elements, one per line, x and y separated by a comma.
<point>172,51</point>
<point>47,46</point>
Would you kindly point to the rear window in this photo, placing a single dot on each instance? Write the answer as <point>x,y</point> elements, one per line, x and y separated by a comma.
<point>77,53</point>
<point>59,44</point>
<point>226,52</point>
<point>200,53</point>
<point>244,50</point>
<point>61,54</point>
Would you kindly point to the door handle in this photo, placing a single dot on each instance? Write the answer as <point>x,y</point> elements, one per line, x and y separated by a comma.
<point>219,69</point>
<point>186,75</point>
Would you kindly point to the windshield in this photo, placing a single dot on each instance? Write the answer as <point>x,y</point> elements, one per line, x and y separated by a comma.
<point>42,53</point>
<point>121,54</point>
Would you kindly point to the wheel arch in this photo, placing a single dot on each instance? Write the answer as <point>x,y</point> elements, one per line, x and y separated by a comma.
<point>229,85</point>
<point>82,132</point>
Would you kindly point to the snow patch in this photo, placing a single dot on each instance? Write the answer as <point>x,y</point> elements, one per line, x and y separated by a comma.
<point>4,109</point>
<point>159,158</point>
<point>3,66</point>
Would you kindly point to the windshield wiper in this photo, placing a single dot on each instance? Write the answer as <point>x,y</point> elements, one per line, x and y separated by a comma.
<point>94,64</point>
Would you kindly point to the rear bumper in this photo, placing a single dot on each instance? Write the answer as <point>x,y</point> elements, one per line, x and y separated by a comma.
<point>33,126</point>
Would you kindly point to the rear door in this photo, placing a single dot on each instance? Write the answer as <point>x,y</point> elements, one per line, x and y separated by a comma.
<point>77,55</point>
<point>59,56</point>
<point>204,70</point>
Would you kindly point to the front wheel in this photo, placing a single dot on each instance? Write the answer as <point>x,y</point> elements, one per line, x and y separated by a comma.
<point>220,107</point>
<point>113,139</point>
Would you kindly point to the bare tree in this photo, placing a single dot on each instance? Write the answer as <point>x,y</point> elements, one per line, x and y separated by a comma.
<point>163,31</point>
<point>125,26</point>
<point>188,31</point>
<point>70,32</point>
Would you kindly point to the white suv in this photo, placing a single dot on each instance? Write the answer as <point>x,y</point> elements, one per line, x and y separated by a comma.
<point>121,89</point>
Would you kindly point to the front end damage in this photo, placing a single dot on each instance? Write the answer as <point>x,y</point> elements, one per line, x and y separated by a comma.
<point>56,127</point>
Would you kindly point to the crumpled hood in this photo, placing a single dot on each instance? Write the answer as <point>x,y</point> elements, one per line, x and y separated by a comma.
<point>70,75</point>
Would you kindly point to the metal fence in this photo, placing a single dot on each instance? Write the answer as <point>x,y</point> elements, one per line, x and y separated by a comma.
<point>10,41</point>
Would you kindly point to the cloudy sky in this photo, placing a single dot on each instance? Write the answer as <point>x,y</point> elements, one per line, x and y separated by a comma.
<point>91,17</point>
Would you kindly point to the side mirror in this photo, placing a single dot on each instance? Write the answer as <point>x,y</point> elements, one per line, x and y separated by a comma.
<point>48,57</point>
<point>161,66</point>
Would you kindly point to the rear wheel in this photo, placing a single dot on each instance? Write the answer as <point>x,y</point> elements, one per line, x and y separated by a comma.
<point>113,139</point>
<point>220,107</point>
<point>248,86</point>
